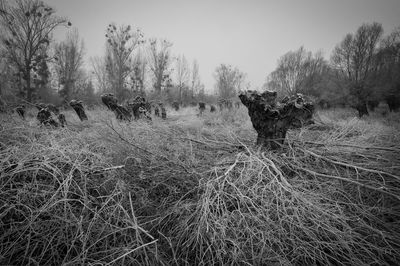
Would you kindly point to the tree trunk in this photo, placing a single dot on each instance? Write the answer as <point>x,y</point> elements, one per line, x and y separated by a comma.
<point>29,92</point>
<point>272,119</point>
<point>362,109</point>
<point>79,109</point>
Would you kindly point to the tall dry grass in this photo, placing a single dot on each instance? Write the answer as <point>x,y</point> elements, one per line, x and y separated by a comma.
<point>196,191</point>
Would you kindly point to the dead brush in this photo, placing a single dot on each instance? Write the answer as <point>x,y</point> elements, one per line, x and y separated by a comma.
<point>58,206</point>
<point>195,191</point>
<point>266,208</point>
<point>312,203</point>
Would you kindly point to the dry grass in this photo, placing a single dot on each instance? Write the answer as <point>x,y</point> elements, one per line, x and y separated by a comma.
<point>195,191</point>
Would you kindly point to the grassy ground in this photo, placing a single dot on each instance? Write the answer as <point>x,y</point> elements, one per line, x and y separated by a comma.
<point>196,191</point>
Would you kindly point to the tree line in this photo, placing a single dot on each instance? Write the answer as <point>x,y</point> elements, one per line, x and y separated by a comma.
<point>35,67</point>
<point>363,69</point>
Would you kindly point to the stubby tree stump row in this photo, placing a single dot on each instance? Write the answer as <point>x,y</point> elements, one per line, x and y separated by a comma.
<point>272,119</point>
<point>78,108</point>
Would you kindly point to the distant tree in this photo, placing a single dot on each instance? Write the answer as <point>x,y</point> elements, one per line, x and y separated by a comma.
<point>84,90</point>
<point>160,59</point>
<point>195,81</point>
<point>388,67</point>
<point>201,94</point>
<point>138,75</point>
<point>8,77</point>
<point>121,44</point>
<point>229,81</point>
<point>331,91</point>
<point>27,26</point>
<point>99,71</point>
<point>297,71</point>
<point>41,76</point>
<point>182,75</point>
<point>69,55</point>
<point>354,59</point>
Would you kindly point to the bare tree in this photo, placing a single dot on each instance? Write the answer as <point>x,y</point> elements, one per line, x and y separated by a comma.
<point>297,71</point>
<point>182,75</point>
<point>69,55</point>
<point>229,81</point>
<point>195,82</point>
<point>353,58</point>
<point>7,76</point>
<point>121,43</point>
<point>84,89</point>
<point>159,59</point>
<point>138,77</point>
<point>388,67</point>
<point>27,27</point>
<point>99,70</point>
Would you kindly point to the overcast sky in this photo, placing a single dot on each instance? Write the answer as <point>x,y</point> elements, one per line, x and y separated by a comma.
<point>249,34</point>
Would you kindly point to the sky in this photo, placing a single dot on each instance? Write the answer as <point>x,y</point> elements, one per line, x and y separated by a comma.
<point>248,34</point>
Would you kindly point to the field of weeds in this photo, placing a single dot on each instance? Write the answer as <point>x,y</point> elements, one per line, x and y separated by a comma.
<point>196,191</point>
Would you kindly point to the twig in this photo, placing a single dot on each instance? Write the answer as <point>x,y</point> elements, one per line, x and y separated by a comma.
<point>131,251</point>
<point>350,145</point>
<point>108,169</point>
<point>351,166</point>
<point>350,181</point>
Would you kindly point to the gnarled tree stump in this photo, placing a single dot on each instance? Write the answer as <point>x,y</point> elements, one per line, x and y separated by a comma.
<point>136,105</point>
<point>162,110</point>
<point>272,119</point>
<point>110,101</point>
<point>52,108</point>
<point>62,120</point>
<point>175,105</point>
<point>45,118</point>
<point>78,107</point>
<point>3,106</point>
<point>202,107</point>
<point>156,111</point>
<point>121,112</point>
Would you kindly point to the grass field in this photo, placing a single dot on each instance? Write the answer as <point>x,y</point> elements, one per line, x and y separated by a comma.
<point>196,191</point>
